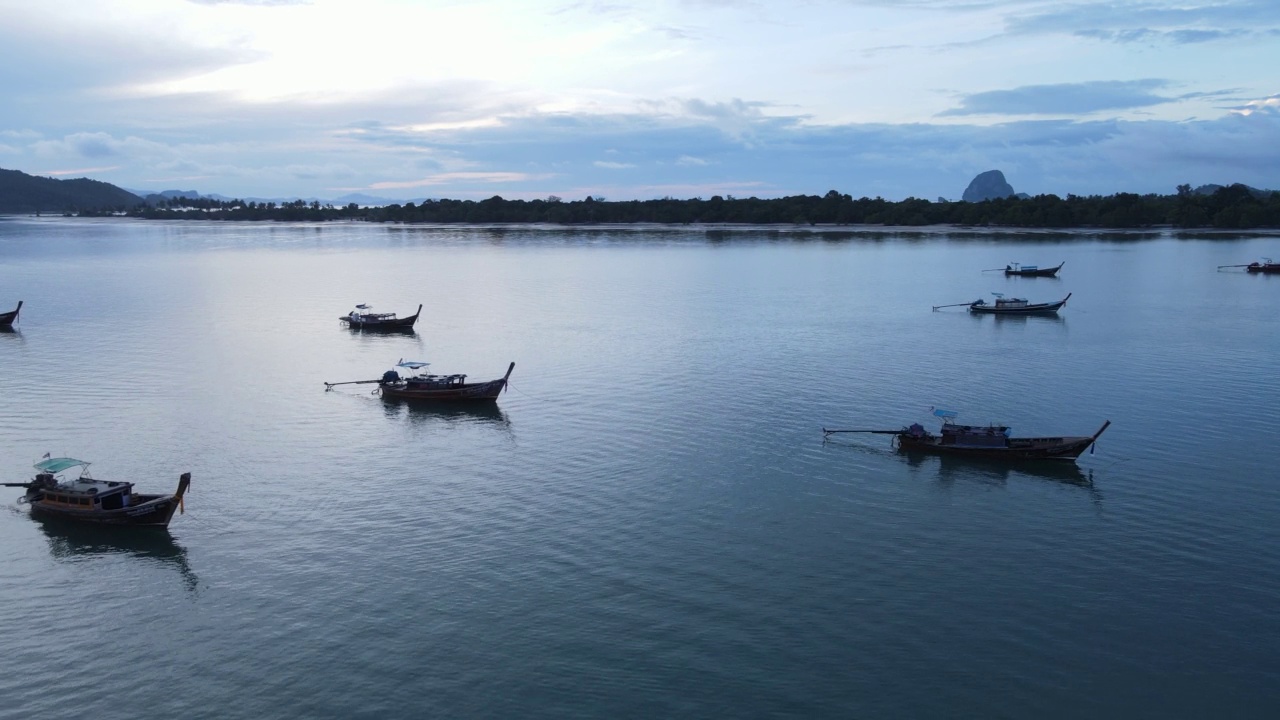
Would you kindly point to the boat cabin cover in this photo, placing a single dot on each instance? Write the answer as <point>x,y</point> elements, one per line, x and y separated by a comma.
<point>84,490</point>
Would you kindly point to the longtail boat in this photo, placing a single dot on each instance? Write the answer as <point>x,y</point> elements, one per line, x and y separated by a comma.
<point>1010,306</point>
<point>1014,269</point>
<point>418,384</point>
<point>1266,267</point>
<point>362,318</point>
<point>85,499</point>
<point>9,318</point>
<point>983,441</point>
<point>1016,306</point>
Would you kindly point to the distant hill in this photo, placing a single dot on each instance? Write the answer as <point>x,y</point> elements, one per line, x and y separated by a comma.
<point>155,198</point>
<point>23,193</point>
<point>989,185</point>
<point>1211,189</point>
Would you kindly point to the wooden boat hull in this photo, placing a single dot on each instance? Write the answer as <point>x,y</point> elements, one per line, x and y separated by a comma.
<point>9,318</point>
<point>1038,272</point>
<point>481,392</point>
<point>1033,309</point>
<point>147,511</point>
<point>1048,448</point>
<point>467,392</point>
<point>1268,269</point>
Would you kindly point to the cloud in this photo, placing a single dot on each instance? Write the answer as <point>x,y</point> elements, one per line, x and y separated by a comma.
<point>94,145</point>
<point>85,52</point>
<point>1265,105</point>
<point>600,99</point>
<point>447,178</point>
<point>894,161</point>
<point>1177,37</point>
<point>79,171</point>
<point>1125,22</point>
<point>260,3</point>
<point>1073,99</point>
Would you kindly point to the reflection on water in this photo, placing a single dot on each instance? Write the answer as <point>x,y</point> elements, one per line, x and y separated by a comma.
<point>447,413</point>
<point>380,332</point>
<point>1020,319</point>
<point>994,472</point>
<point>958,468</point>
<point>655,509</point>
<point>1034,278</point>
<point>70,541</point>
<point>981,470</point>
<point>10,330</point>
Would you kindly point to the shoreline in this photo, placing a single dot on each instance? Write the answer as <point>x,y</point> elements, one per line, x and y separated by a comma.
<point>863,229</point>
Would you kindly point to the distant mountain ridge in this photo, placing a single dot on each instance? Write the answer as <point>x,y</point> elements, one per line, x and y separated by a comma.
<point>1212,188</point>
<point>991,185</point>
<point>23,193</point>
<point>360,199</point>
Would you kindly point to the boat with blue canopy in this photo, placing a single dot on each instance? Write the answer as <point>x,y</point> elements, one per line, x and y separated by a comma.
<point>88,499</point>
<point>418,384</point>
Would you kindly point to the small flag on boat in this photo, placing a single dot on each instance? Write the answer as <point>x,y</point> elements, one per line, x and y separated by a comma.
<point>45,457</point>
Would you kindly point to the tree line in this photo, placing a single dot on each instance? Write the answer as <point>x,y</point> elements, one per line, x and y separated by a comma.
<point>1232,207</point>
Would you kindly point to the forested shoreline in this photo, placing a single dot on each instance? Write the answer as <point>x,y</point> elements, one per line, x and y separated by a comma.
<point>1231,207</point>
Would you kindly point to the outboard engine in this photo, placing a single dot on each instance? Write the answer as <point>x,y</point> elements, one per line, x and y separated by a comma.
<point>390,376</point>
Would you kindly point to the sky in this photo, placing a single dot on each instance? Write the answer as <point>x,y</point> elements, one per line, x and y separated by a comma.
<point>405,99</point>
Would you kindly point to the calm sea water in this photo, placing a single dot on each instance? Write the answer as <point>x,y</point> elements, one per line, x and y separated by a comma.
<point>650,525</point>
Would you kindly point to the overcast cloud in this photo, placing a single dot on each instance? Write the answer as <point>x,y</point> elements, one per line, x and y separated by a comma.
<point>405,99</point>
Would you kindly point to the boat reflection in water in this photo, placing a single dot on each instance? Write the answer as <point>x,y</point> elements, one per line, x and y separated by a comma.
<point>71,541</point>
<point>951,468</point>
<point>447,413</point>
<point>1004,319</point>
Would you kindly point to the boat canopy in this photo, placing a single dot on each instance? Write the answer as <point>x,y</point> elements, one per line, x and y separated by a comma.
<point>53,466</point>
<point>945,414</point>
<point>363,306</point>
<point>412,364</point>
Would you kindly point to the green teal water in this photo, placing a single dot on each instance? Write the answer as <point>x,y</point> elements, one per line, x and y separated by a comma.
<point>649,524</point>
